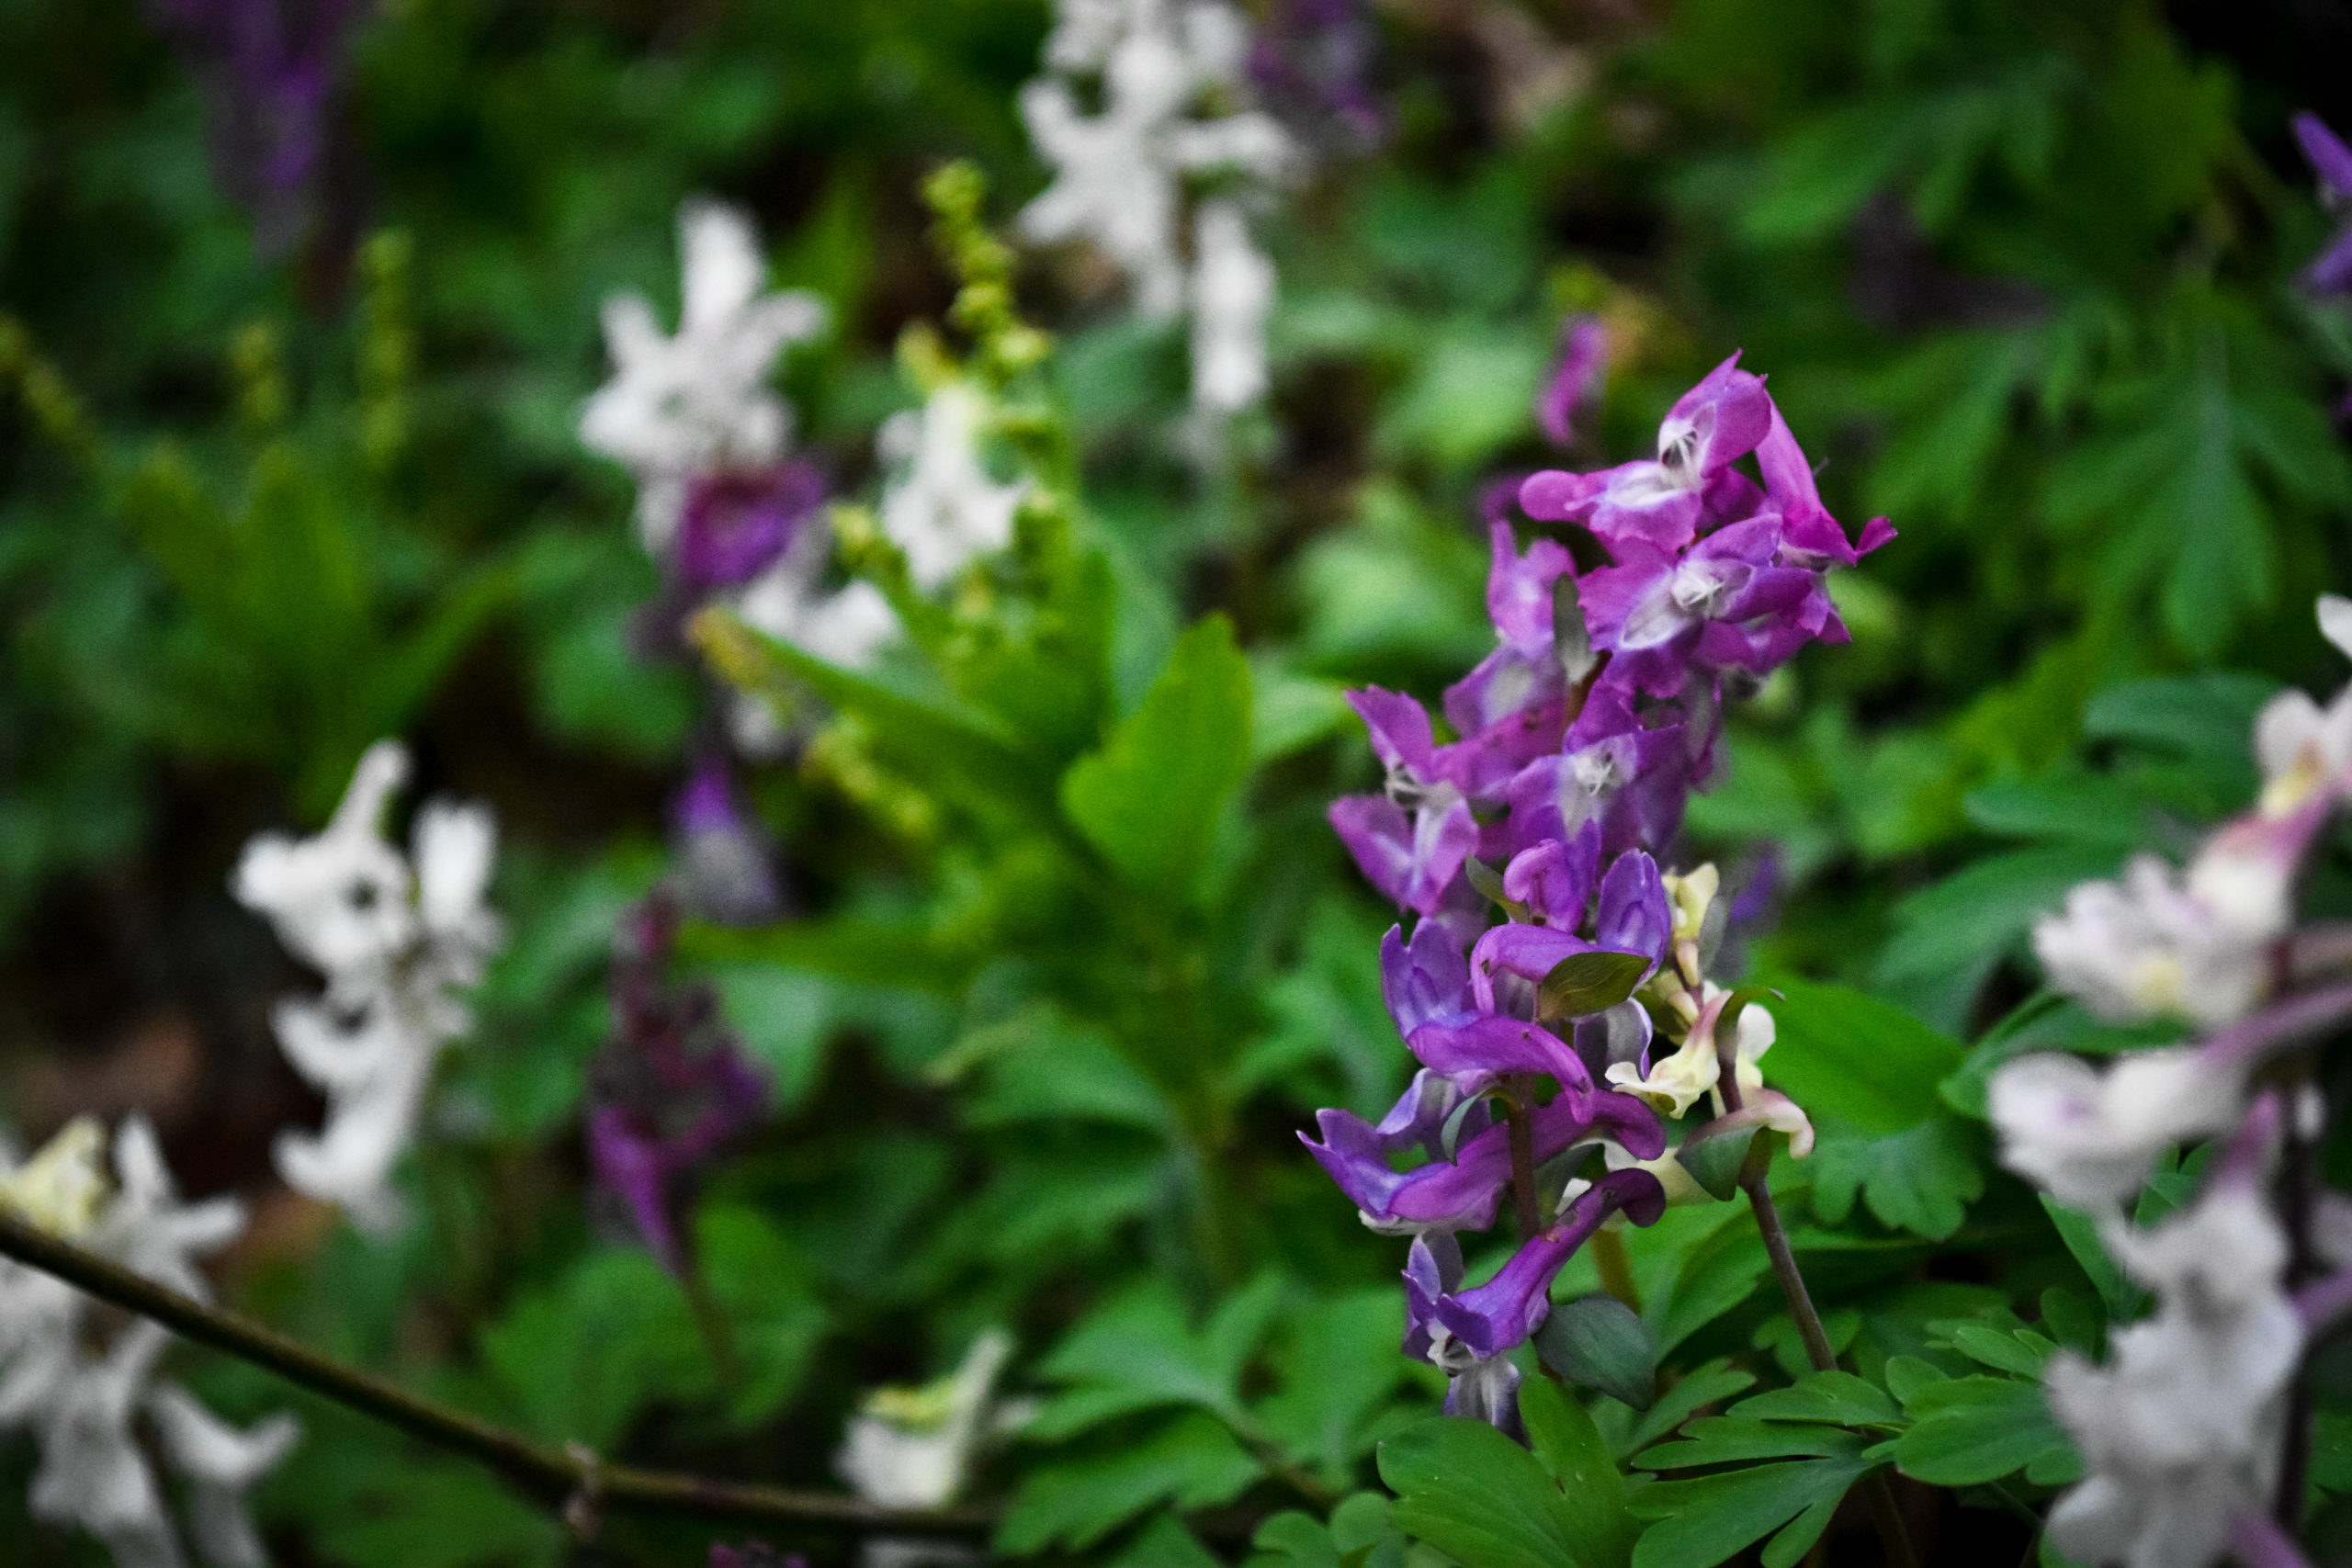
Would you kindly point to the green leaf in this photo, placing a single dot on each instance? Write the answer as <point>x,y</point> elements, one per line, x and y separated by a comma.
<point>1477,1496</point>
<point>1840,1398</point>
<point>1704,1521</point>
<point>1858,1059</point>
<point>2124,1298</point>
<point>1715,1160</point>
<point>1149,800</point>
<point>761,1282</point>
<point>1920,1181</point>
<point>1717,1380</point>
<point>1339,1368</point>
<point>1139,1351</point>
<point>1967,1431</point>
<point>1191,1462</point>
<point>1166,1543</point>
<point>581,1358</point>
<point>1583,983</point>
<point>1731,1439</point>
<point>1599,1342</point>
<point>1569,1446</point>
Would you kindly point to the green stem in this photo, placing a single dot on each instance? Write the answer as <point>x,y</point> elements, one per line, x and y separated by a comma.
<point>553,1476</point>
<point>1520,1112</point>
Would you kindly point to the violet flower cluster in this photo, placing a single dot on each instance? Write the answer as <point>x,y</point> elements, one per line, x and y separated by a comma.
<point>2330,271</point>
<point>270,71</point>
<point>2184,1427</point>
<point>1574,746</point>
<point>672,1088</point>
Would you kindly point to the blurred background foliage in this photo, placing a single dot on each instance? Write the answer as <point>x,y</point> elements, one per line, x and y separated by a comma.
<point>2020,272</point>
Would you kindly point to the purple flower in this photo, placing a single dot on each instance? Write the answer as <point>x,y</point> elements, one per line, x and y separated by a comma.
<point>670,1089</point>
<point>1555,880</point>
<point>1632,918</point>
<point>1662,502</point>
<point>270,71</point>
<point>1511,707</point>
<point>2330,271</point>
<point>1462,1193</point>
<point>725,869</point>
<point>1310,60</point>
<point>1504,1310</point>
<point>1411,840</point>
<point>736,525</point>
<point>1577,378</point>
<point>1426,979</point>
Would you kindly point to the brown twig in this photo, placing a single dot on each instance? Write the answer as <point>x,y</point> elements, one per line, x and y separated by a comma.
<point>554,1477</point>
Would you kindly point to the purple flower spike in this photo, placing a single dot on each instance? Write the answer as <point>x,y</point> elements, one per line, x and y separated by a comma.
<point>736,525</point>
<point>270,71</point>
<point>1424,979</point>
<point>2330,271</point>
<point>1507,1308</point>
<point>725,871</point>
<point>670,1091</point>
<point>1577,378</point>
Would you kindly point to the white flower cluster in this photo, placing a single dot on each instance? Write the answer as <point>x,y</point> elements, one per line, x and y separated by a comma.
<point>83,1404</point>
<point>394,940</point>
<point>2182,1427</point>
<point>699,403</point>
<point>1173,116</point>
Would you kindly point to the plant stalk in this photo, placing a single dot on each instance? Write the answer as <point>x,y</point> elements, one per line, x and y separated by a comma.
<point>1754,1181</point>
<point>1521,1113</point>
<point>556,1477</point>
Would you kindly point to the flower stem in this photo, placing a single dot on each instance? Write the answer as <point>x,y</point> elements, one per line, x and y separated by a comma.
<point>1521,1113</point>
<point>2295,1194</point>
<point>553,1476</point>
<point>1754,1174</point>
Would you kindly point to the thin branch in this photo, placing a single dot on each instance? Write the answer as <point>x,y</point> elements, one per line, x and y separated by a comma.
<point>556,1477</point>
<point>1754,1174</point>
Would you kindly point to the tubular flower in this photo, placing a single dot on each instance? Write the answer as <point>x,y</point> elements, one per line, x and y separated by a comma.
<point>79,1395</point>
<point>397,936</point>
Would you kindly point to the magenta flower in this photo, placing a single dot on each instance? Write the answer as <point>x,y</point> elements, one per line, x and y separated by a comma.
<point>1577,378</point>
<point>1663,501</point>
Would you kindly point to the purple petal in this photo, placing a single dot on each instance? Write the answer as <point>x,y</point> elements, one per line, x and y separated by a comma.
<point>1577,378</point>
<point>1505,1310</point>
<point>1499,1046</point>
<point>2329,156</point>
<point>2330,271</point>
<point>1427,978</point>
<point>1412,861</point>
<point>736,525</point>
<point>1555,879</point>
<point>1633,917</point>
<point>1399,728</point>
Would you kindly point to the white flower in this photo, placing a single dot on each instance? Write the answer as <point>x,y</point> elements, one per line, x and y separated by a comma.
<point>2194,943</point>
<point>2181,1428</point>
<point>848,625</point>
<point>699,401</point>
<point>80,1404</point>
<point>2091,1138</point>
<point>1120,175</point>
<point>914,1448</point>
<point>1677,1083</point>
<point>395,946</point>
<point>942,508</point>
<point>1233,289</point>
